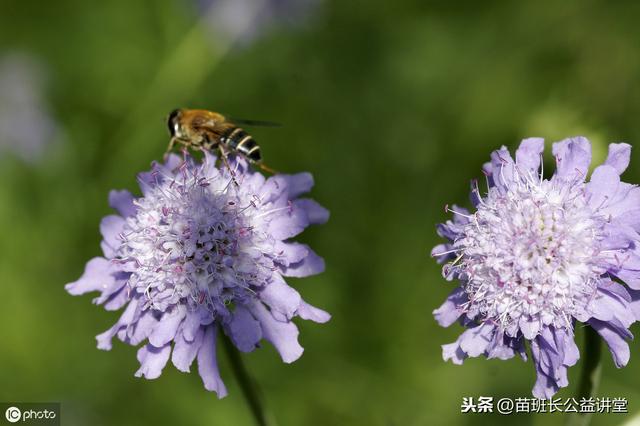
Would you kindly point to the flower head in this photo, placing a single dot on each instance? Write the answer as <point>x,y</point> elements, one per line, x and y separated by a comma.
<point>539,254</point>
<point>195,254</point>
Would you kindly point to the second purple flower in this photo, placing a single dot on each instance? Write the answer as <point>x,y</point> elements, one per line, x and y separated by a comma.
<point>539,255</point>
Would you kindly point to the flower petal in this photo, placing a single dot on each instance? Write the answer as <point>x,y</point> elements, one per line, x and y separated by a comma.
<point>96,277</point>
<point>612,301</point>
<point>450,310</point>
<point>208,363</point>
<point>244,330</point>
<point>288,224</point>
<point>152,361</point>
<point>619,156</point>
<point>111,226</point>
<point>117,299</point>
<point>191,325</point>
<point>443,253</point>
<point>573,157</point>
<point>529,326</point>
<point>634,303</point>
<point>185,351</point>
<point>282,299</point>
<point>615,341</point>
<point>630,218</point>
<point>545,387</point>
<point>167,326</point>
<point>287,186</point>
<point>453,352</point>
<point>502,167</point>
<point>528,155</point>
<point>571,352</point>
<point>474,341</point>
<point>290,252</point>
<point>140,329</point>
<point>282,335</point>
<point>104,339</point>
<point>630,277</point>
<point>603,186</point>
<point>308,312</point>
<point>502,347</point>
<point>316,214</point>
<point>626,198</point>
<point>552,351</point>
<point>298,184</point>
<point>122,202</point>
<point>312,264</point>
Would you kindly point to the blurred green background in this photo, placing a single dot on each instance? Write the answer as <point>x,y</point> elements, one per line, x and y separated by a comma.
<point>393,106</point>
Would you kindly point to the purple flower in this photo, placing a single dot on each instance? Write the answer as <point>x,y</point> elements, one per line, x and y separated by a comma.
<point>539,254</point>
<point>197,253</point>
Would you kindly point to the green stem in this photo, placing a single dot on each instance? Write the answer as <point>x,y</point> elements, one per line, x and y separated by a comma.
<point>248,385</point>
<point>590,375</point>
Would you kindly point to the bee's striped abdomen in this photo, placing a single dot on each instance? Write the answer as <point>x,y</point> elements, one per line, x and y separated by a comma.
<point>240,141</point>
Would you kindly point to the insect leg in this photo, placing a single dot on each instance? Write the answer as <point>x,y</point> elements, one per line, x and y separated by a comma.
<point>224,155</point>
<point>266,168</point>
<point>172,142</point>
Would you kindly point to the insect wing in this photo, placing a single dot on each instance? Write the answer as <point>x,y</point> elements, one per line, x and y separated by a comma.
<point>253,123</point>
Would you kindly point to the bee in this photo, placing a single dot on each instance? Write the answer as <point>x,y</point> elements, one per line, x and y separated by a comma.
<point>199,128</point>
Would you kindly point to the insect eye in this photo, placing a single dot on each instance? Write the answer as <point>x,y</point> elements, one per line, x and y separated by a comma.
<point>172,122</point>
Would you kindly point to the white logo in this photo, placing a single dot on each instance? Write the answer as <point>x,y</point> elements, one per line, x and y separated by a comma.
<point>13,414</point>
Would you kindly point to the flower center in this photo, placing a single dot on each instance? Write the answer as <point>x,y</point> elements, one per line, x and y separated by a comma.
<point>191,242</point>
<point>527,255</point>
